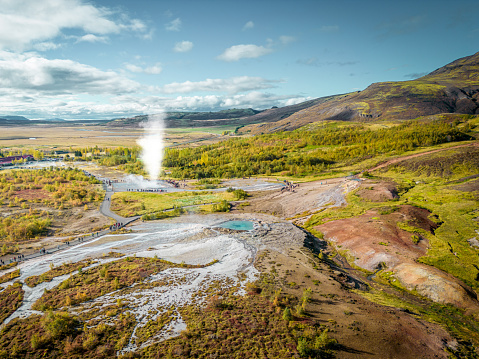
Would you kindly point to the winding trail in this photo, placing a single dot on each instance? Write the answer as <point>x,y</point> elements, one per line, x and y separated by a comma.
<point>106,211</point>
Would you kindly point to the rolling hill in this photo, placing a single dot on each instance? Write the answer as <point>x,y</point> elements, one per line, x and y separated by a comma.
<point>232,117</point>
<point>453,88</point>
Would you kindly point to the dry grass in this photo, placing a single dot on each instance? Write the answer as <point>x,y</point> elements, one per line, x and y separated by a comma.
<point>48,137</point>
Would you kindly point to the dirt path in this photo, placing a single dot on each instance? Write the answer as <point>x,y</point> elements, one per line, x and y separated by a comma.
<point>399,159</point>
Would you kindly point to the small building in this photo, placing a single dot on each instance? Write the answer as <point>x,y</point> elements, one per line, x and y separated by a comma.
<point>6,161</point>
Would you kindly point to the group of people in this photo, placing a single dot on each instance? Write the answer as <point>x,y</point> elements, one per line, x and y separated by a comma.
<point>116,226</point>
<point>146,190</point>
<point>17,258</point>
<point>176,184</point>
<point>289,186</point>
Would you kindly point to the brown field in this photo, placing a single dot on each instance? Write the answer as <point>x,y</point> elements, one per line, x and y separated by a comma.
<point>40,136</point>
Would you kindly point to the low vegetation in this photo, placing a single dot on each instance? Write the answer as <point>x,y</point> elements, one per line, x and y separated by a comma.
<point>312,150</point>
<point>7,277</point>
<point>31,199</point>
<point>59,334</point>
<point>138,203</point>
<point>461,325</point>
<point>306,151</point>
<point>100,280</point>
<point>63,269</point>
<point>252,326</point>
<point>11,298</point>
<point>436,185</point>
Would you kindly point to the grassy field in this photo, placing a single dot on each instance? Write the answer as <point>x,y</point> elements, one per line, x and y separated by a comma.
<point>55,138</point>
<point>137,203</point>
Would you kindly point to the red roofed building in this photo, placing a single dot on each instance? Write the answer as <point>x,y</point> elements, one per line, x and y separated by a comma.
<point>9,160</point>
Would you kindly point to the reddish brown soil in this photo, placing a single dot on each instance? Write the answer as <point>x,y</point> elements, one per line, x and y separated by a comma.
<point>33,194</point>
<point>374,238</point>
<point>373,241</point>
<point>378,192</point>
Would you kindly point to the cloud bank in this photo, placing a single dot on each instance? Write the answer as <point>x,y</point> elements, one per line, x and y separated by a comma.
<point>232,85</point>
<point>25,22</point>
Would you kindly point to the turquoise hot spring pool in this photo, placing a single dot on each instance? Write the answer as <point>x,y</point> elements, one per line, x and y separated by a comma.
<point>237,225</point>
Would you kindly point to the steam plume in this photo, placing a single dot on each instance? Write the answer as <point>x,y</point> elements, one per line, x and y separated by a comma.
<point>152,145</point>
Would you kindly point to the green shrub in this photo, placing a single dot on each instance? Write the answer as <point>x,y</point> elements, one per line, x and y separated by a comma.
<point>287,316</point>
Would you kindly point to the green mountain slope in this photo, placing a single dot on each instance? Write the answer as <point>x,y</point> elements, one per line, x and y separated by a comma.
<point>453,88</point>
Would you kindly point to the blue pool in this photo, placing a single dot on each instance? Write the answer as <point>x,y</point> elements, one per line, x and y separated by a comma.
<point>238,225</point>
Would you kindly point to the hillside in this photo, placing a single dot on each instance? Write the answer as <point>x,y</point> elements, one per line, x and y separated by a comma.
<point>232,117</point>
<point>191,119</point>
<point>453,88</point>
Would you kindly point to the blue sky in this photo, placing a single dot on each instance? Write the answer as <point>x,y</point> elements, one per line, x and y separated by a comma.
<point>103,59</point>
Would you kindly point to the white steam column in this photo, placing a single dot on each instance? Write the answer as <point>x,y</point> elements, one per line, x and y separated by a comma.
<point>152,145</point>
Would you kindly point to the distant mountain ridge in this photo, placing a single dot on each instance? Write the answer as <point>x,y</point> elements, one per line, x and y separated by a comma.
<point>14,118</point>
<point>453,88</point>
<point>232,117</point>
<point>189,119</point>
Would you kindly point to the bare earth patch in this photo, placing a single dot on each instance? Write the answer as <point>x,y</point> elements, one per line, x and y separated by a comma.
<point>303,200</point>
<point>373,241</point>
<point>378,192</point>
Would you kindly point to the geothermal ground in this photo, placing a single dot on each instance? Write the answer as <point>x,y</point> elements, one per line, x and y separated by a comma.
<point>229,259</point>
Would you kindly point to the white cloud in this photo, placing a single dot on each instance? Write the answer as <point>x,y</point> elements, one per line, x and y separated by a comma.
<point>134,25</point>
<point>133,68</point>
<point>238,52</point>
<point>25,22</point>
<point>232,85</point>
<point>255,99</point>
<point>183,46</point>
<point>285,40</point>
<point>296,100</point>
<point>248,25</point>
<point>92,38</point>
<point>45,46</point>
<point>30,72</point>
<point>152,70</point>
<point>148,35</point>
<point>174,25</point>
<point>70,107</point>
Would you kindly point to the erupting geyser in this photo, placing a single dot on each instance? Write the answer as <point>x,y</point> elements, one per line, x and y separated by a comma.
<point>152,145</point>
